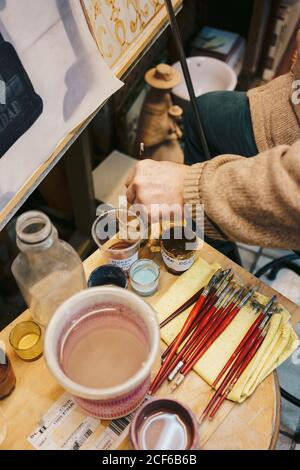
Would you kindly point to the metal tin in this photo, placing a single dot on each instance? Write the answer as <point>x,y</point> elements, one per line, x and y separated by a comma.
<point>164,424</point>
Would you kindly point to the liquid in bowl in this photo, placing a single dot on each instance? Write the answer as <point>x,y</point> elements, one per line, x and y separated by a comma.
<point>110,322</point>
<point>104,349</point>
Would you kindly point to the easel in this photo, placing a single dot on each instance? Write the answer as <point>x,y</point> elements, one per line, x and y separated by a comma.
<point>79,157</point>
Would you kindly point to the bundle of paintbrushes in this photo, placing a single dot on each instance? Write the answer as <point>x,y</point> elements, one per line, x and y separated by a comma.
<point>218,303</point>
<point>216,308</point>
<point>239,360</point>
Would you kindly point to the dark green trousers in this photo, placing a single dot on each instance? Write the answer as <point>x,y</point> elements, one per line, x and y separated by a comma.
<point>226,120</point>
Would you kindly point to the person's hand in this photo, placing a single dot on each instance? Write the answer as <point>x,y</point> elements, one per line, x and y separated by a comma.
<point>157,183</point>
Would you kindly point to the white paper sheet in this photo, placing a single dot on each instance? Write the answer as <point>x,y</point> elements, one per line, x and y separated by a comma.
<point>56,49</point>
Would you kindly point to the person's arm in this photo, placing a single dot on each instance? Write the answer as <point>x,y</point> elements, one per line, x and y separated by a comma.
<point>252,200</point>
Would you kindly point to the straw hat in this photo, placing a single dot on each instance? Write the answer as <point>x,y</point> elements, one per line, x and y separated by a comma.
<point>163,77</point>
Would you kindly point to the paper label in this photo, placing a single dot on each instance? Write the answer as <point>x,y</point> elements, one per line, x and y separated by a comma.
<point>66,427</point>
<point>179,265</point>
<point>125,263</point>
<point>60,427</point>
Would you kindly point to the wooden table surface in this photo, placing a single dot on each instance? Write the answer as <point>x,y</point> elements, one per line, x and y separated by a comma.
<point>251,425</point>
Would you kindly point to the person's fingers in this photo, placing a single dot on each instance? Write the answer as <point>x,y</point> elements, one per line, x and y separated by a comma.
<point>131,194</point>
<point>130,176</point>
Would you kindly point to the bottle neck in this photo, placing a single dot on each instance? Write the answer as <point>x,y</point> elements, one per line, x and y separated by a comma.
<point>35,233</point>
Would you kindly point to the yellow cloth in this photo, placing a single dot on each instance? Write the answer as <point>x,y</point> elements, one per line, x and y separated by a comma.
<point>279,344</point>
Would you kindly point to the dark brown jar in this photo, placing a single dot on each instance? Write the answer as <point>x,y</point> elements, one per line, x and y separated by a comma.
<point>178,246</point>
<point>7,376</point>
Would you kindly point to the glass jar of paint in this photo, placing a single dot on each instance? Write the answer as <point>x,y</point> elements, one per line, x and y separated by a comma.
<point>144,277</point>
<point>7,376</point>
<point>178,248</point>
<point>118,234</point>
<point>47,269</point>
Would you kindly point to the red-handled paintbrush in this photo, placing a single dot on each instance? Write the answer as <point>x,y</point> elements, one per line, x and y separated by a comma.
<point>249,351</point>
<point>238,374</point>
<point>253,327</point>
<point>246,354</point>
<point>199,332</point>
<point>201,336</point>
<point>213,296</point>
<point>181,309</point>
<point>184,331</point>
<point>203,347</point>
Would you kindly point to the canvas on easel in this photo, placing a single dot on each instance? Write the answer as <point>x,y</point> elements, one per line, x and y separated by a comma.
<point>122,29</point>
<point>54,78</point>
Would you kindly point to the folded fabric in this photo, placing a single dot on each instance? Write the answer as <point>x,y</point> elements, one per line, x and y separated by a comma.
<point>278,345</point>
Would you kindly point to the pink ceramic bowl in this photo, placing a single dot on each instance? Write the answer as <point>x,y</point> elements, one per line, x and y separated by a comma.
<point>120,400</point>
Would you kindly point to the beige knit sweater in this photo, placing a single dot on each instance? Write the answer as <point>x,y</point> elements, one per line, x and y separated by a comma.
<point>257,200</point>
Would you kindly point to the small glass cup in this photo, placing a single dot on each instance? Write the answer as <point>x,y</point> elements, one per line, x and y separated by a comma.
<point>118,233</point>
<point>26,340</point>
<point>3,428</point>
<point>144,276</point>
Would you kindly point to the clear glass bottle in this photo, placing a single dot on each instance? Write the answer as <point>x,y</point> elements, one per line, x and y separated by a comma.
<point>47,270</point>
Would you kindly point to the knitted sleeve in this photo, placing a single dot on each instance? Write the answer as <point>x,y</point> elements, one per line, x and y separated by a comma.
<point>252,200</point>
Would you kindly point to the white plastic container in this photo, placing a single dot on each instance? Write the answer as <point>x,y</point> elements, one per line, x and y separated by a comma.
<point>120,400</point>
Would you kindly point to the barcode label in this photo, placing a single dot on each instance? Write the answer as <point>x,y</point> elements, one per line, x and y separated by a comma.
<point>114,434</point>
<point>66,426</point>
<point>81,434</point>
<point>119,425</point>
